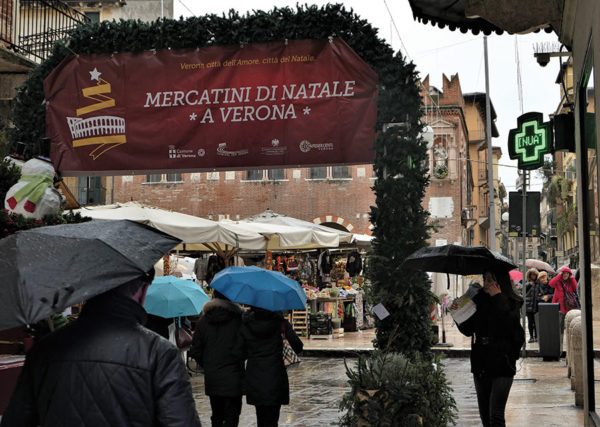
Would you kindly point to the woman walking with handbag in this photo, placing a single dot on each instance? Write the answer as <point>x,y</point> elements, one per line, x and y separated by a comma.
<point>565,286</point>
<point>266,381</point>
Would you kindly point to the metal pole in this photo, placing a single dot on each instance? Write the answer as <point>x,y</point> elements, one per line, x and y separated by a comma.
<point>524,267</point>
<point>488,138</point>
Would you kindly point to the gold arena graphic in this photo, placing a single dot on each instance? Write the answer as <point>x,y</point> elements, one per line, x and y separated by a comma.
<point>107,131</point>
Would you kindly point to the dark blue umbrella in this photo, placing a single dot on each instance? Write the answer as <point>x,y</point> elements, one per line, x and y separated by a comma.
<point>170,296</point>
<point>261,288</point>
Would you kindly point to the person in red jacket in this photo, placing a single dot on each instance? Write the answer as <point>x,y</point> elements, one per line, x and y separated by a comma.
<point>561,282</point>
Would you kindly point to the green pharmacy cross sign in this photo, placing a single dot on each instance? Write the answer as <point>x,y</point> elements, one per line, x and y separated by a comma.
<point>530,140</point>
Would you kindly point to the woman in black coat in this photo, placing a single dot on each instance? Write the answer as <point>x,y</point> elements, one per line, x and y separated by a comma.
<point>531,301</point>
<point>212,348</point>
<point>266,381</point>
<point>497,337</point>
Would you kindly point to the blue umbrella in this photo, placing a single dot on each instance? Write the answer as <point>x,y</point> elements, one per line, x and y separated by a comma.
<point>258,287</point>
<point>169,296</point>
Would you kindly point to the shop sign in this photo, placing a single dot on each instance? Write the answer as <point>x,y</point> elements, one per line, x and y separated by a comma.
<point>288,103</point>
<point>530,140</point>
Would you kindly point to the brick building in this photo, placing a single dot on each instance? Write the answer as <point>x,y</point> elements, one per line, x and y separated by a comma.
<point>448,197</point>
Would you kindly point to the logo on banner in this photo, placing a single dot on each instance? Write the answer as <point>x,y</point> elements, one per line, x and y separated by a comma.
<point>106,131</point>
<point>274,149</point>
<point>222,151</point>
<point>306,146</point>
<point>176,153</point>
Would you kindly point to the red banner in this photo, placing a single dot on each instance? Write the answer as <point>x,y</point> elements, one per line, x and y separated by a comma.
<point>305,102</point>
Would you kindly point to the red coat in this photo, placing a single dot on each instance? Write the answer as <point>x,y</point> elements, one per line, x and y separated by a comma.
<point>570,285</point>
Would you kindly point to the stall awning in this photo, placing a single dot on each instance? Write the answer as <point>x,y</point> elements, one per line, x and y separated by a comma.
<point>487,16</point>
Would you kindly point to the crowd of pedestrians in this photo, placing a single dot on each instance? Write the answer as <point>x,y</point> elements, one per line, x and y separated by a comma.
<point>561,289</point>
<point>106,368</point>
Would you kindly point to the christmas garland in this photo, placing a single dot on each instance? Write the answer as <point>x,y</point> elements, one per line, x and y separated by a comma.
<point>400,223</point>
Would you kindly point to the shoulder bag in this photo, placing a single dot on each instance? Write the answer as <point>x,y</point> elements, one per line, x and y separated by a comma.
<point>183,336</point>
<point>290,358</point>
<point>570,299</point>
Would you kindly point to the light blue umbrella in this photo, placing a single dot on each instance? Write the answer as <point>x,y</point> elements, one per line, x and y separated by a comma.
<point>170,296</point>
<point>258,287</point>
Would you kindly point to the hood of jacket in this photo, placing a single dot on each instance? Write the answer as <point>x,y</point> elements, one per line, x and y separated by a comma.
<point>262,323</point>
<point>567,269</point>
<point>531,272</point>
<point>219,310</point>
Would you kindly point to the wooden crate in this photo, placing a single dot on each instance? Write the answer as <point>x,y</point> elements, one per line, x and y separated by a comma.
<point>299,320</point>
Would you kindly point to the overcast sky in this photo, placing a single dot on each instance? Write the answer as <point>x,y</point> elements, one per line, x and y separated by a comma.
<point>438,51</point>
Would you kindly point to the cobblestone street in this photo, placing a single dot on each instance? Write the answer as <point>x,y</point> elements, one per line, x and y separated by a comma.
<point>540,396</point>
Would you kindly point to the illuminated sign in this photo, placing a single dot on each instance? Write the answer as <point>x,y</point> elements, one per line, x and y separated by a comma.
<point>530,141</point>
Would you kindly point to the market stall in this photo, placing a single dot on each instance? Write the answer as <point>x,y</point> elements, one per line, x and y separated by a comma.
<point>333,285</point>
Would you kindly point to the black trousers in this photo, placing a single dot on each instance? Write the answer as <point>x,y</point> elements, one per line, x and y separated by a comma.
<point>492,394</point>
<point>225,410</point>
<point>531,325</point>
<point>267,416</point>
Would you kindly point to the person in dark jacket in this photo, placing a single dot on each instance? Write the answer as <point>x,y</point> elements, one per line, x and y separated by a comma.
<point>546,292</point>
<point>104,369</point>
<point>497,337</point>
<point>212,348</point>
<point>531,302</point>
<point>266,381</point>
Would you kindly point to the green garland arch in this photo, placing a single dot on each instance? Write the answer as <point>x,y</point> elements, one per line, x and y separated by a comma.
<point>400,223</point>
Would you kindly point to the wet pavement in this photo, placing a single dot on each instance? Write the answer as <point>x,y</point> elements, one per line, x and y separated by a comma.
<point>541,394</point>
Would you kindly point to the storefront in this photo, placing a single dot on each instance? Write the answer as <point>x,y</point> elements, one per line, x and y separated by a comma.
<point>581,25</point>
<point>577,25</point>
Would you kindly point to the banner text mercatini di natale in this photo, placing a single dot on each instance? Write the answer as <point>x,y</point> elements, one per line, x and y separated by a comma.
<point>307,102</point>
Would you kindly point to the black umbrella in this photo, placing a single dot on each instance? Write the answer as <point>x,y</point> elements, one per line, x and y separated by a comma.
<point>455,259</point>
<point>46,269</point>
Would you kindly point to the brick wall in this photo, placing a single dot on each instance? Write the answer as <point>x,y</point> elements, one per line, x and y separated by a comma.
<point>236,198</point>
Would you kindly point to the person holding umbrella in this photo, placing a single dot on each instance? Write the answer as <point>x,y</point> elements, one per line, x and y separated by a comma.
<point>497,338</point>
<point>104,368</point>
<point>266,381</point>
<point>261,334</point>
<point>212,348</point>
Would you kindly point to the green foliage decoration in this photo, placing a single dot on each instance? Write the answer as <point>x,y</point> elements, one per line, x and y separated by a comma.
<point>566,223</point>
<point>390,389</point>
<point>400,222</point>
<point>11,223</point>
<point>9,176</point>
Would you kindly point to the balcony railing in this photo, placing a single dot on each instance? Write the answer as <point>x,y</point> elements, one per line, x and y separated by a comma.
<point>31,27</point>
